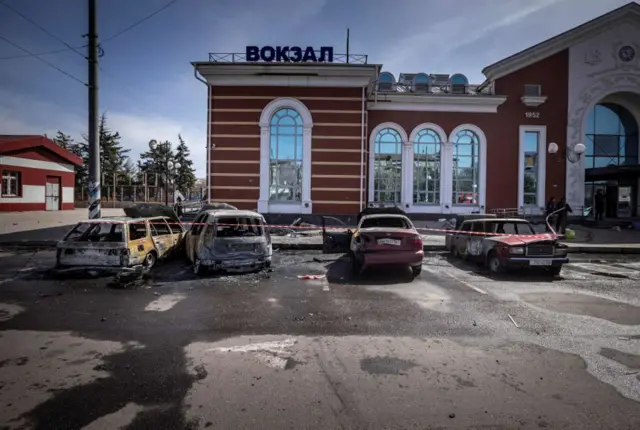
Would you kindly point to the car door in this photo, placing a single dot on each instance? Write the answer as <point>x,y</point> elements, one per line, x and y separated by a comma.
<point>193,236</point>
<point>176,233</point>
<point>460,237</point>
<point>335,241</point>
<point>140,242</point>
<point>162,236</point>
<point>475,239</point>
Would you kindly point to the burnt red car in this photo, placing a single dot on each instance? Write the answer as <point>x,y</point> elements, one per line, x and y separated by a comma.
<point>505,243</point>
<point>383,237</point>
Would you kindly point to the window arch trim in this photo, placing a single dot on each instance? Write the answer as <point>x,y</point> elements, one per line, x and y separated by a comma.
<point>482,177</point>
<point>305,205</point>
<point>439,131</point>
<point>372,141</point>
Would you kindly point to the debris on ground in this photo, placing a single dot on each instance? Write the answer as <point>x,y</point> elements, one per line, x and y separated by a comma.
<point>306,277</point>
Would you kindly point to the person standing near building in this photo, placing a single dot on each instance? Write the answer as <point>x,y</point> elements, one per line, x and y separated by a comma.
<point>551,206</point>
<point>599,205</point>
<point>561,217</point>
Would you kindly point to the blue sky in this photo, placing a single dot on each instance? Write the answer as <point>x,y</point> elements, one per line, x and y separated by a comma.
<point>147,85</point>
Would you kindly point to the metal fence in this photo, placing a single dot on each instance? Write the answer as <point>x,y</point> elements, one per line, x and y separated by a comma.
<point>123,193</point>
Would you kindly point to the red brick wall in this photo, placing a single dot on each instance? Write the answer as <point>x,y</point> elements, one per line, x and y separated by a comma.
<point>553,74</point>
<point>336,113</point>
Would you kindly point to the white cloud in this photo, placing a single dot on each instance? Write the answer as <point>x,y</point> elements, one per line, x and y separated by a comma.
<point>24,115</point>
<point>444,36</point>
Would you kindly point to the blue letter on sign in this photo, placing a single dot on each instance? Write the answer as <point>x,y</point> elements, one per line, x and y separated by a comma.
<point>253,53</point>
<point>309,55</point>
<point>281,53</point>
<point>297,54</point>
<point>267,53</point>
<point>326,54</point>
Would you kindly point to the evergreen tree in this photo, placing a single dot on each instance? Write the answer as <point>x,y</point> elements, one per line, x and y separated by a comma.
<point>112,154</point>
<point>129,170</point>
<point>80,149</point>
<point>186,176</point>
<point>154,161</point>
<point>63,140</point>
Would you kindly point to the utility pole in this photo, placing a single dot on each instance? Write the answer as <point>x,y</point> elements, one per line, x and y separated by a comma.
<point>94,142</point>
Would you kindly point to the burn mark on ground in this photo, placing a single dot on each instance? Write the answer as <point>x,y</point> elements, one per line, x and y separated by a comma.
<point>385,365</point>
<point>582,304</point>
<point>632,361</point>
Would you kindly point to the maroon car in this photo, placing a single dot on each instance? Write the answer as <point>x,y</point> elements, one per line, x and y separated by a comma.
<point>383,237</point>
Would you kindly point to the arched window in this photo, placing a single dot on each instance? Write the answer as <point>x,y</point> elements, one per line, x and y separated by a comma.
<point>426,168</point>
<point>285,156</point>
<point>387,167</point>
<point>611,137</point>
<point>421,83</point>
<point>466,168</point>
<point>386,81</point>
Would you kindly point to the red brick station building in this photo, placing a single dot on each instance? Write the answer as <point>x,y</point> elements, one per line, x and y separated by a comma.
<point>304,131</point>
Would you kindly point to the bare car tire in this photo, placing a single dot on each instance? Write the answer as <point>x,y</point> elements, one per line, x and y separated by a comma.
<point>150,260</point>
<point>356,265</point>
<point>416,270</point>
<point>495,265</point>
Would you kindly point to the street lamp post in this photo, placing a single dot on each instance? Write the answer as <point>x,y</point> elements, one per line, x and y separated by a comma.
<point>169,168</point>
<point>572,155</point>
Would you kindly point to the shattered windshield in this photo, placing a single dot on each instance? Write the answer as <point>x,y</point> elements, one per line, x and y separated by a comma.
<point>238,227</point>
<point>96,232</point>
<point>385,222</point>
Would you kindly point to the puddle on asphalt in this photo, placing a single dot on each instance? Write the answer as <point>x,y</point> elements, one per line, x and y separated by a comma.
<point>581,304</point>
<point>385,365</point>
<point>632,361</point>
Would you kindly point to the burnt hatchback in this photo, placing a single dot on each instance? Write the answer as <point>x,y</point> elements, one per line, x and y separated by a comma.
<point>228,240</point>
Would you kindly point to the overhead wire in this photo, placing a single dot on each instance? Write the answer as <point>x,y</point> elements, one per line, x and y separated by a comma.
<point>108,39</point>
<point>135,24</point>
<point>44,30</point>
<point>44,61</point>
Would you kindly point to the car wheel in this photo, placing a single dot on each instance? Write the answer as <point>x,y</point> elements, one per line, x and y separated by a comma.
<point>356,265</point>
<point>495,265</point>
<point>150,260</point>
<point>416,270</point>
<point>197,267</point>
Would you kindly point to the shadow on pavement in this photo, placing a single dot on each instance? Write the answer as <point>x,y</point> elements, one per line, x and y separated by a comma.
<point>513,275</point>
<point>49,235</point>
<point>340,272</point>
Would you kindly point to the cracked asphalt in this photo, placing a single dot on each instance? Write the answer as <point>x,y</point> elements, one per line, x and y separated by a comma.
<point>453,349</point>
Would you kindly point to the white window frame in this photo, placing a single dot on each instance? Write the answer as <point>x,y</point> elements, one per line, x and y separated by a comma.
<point>408,173</point>
<point>482,177</point>
<point>264,204</point>
<point>538,208</point>
<point>372,142</point>
<point>9,176</point>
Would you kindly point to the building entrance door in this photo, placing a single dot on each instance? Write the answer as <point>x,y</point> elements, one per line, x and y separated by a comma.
<point>52,193</point>
<point>611,202</point>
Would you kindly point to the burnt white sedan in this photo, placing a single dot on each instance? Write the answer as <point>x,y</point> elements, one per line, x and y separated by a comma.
<point>228,240</point>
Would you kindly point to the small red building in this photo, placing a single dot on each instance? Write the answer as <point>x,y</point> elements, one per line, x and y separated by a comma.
<point>37,174</point>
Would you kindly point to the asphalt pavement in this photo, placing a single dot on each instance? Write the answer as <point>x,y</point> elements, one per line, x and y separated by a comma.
<point>453,349</point>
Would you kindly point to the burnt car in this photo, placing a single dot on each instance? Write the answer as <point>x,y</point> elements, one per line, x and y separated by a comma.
<point>383,237</point>
<point>506,243</point>
<point>228,240</point>
<point>148,233</point>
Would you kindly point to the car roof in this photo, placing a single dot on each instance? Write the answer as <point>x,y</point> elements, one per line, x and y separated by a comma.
<point>121,219</point>
<point>520,220</point>
<point>232,212</point>
<point>385,216</point>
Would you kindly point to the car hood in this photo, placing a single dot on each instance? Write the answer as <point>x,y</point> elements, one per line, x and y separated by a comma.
<point>523,240</point>
<point>149,210</point>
